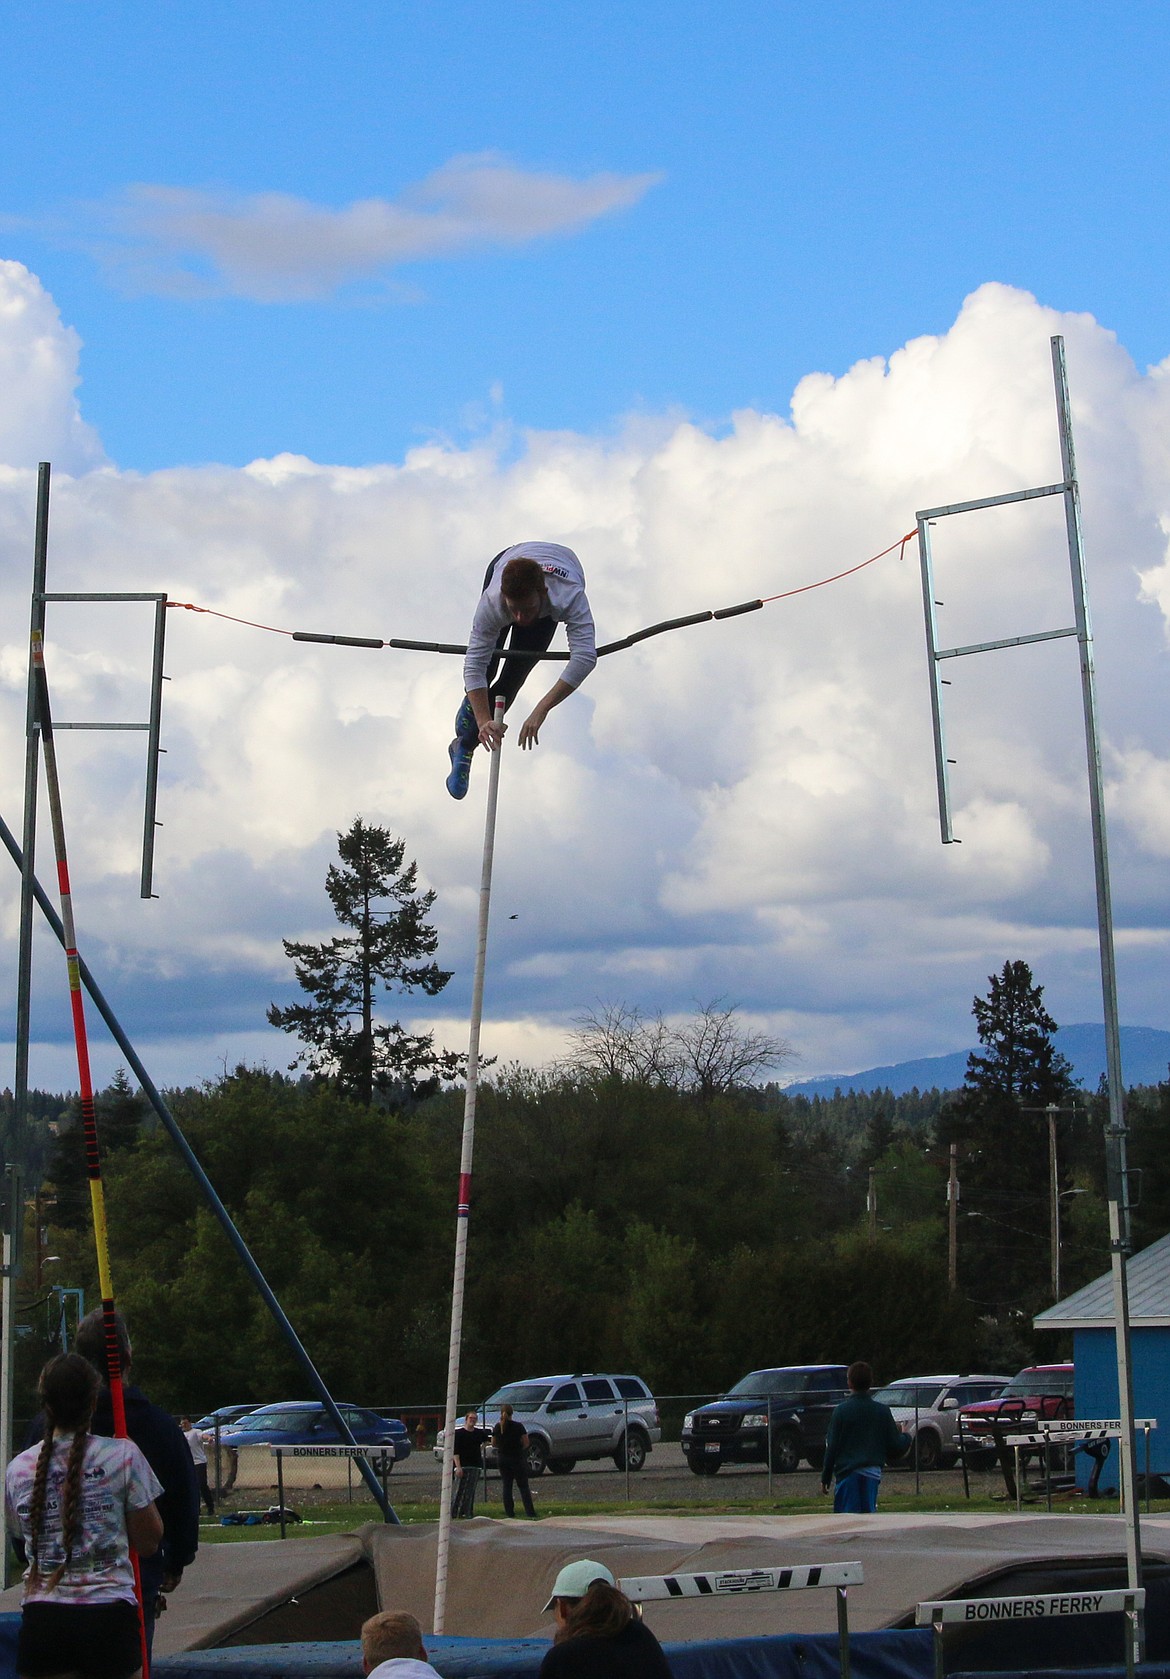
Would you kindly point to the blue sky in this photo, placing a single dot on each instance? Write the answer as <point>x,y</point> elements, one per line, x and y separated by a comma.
<point>316,309</point>
<point>833,181</point>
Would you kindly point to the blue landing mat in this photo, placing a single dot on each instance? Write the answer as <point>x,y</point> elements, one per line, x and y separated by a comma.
<point>873,1655</point>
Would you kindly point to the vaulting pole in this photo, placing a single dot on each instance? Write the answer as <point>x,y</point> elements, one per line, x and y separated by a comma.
<point>464,1204</point>
<point>85,1085</point>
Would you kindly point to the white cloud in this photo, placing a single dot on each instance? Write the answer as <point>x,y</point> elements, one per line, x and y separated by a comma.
<point>742,809</point>
<point>276,248</point>
<point>39,417</point>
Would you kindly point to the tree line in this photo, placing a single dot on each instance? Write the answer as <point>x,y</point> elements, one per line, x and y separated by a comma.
<point>650,1203</point>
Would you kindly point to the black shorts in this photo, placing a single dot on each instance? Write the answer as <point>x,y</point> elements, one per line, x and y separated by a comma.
<point>99,1640</point>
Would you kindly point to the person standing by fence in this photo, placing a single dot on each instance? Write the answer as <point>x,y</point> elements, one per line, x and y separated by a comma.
<point>199,1458</point>
<point>468,1465</point>
<point>511,1443</point>
<point>863,1437</point>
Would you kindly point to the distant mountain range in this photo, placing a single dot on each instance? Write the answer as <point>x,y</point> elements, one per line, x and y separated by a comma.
<point>1145,1058</point>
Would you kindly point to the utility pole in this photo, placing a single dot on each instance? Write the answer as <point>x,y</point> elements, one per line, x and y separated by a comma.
<point>1053,1200</point>
<point>1050,1111</point>
<point>953,1220</point>
<point>871,1205</point>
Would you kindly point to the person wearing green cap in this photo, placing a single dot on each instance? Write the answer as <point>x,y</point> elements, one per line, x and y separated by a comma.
<point>599,1633</point>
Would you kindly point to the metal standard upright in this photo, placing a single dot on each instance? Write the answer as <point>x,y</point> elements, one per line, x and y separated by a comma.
<point>33,892</point>
<point>463,1209</point>
<point>1115,1134</point>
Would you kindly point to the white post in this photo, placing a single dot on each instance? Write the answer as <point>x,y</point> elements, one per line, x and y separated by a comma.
<point>464,1206</point>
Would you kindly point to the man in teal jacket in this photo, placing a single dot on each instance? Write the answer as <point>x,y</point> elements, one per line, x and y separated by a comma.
<point>863,1437</point>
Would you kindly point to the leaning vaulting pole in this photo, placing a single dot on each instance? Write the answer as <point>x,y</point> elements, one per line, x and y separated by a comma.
<point>93,1164</point>
<point>171,1126</point>
<point>463,1209</point>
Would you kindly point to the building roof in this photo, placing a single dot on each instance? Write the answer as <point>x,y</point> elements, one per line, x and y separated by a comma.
<point>1091,1307</point>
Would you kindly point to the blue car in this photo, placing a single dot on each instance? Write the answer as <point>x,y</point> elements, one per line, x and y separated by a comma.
<point>225,1417</point>
<point>306,1423</point>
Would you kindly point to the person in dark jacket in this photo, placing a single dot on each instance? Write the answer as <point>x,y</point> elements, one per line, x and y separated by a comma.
<point>160,1440</point>
<point>599,1633</point>
<point>863,1437</point>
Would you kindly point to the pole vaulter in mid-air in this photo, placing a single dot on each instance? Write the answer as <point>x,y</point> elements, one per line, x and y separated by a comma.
<point>528,590</point>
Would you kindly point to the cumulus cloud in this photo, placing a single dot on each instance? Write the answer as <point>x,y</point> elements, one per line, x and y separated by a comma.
<point>39,415</point>
<point>276,248</point>
<point>743,809</point>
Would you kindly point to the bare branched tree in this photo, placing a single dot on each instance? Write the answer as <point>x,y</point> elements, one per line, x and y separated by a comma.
<point>615,1041</point>
<point>716,1054</point>
<point>709,1055</point>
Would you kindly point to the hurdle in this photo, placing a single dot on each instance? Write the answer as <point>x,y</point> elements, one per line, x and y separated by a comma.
<point>1089,1432</point>
<point>736,1582</point>
<point>373,1454</point>
<point>980,1611</point>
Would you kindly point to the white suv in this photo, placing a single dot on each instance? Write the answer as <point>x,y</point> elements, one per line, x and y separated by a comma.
<point>927,1409</point>
<point>568,1418</point>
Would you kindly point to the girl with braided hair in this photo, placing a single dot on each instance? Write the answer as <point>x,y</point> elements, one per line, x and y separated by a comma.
<point>79,1501</point>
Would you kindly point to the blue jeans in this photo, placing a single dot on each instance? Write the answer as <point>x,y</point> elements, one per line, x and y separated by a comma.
<point>857,1494</point>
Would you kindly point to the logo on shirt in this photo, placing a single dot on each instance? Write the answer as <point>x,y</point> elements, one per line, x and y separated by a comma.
<point>551,570</point>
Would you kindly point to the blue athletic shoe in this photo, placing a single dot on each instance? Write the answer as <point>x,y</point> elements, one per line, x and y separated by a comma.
<point>459,752</point>
<point>466,726</point>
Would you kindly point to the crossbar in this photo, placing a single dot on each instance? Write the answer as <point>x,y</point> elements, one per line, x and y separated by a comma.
<point>653,1588</point>
<point>380,1452</point>
<point>1108,1429</point>
<point>72,595</point>
<point>1010,641</point>
<point>991,501</point>
<point>741,1582</point>
<point>985,1611</point>
<point>1048,1606</point>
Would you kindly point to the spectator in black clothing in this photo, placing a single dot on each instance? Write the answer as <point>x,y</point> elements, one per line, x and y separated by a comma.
<point>468,1455</point>
<point>599,1633</point>
<point>511,1442</point>
<point>160,1439</point>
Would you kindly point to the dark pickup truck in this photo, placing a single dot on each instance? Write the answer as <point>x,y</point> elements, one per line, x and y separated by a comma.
<point>796,1400</point>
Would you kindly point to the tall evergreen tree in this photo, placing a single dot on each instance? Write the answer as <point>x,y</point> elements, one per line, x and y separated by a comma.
<point>1003,1144</point>
<point>1021,1061</point>
<point>374,893</point>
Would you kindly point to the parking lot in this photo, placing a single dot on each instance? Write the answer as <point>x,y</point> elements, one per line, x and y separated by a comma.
<point>665,1480</point>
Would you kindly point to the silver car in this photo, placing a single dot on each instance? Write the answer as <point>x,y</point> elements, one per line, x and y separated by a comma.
<point>568,1418</point>
<point>927,1409</point>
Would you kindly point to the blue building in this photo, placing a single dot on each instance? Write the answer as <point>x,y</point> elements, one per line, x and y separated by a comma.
<point>1089,1315</point>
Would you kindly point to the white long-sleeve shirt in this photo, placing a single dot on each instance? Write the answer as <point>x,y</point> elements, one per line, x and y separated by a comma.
<point>403,1667</point>
<point>564,580</point>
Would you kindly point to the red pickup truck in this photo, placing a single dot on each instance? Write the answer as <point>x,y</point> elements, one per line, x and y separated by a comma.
<point>1040,1393</point>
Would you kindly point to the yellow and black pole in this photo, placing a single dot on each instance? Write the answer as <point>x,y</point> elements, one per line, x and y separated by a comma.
<point>93,1163</point>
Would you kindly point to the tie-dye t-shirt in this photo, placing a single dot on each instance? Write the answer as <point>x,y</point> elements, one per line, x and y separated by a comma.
<point>115,1478</point>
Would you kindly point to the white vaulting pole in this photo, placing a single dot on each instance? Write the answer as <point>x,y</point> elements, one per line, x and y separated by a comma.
<point>464,1205</point>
